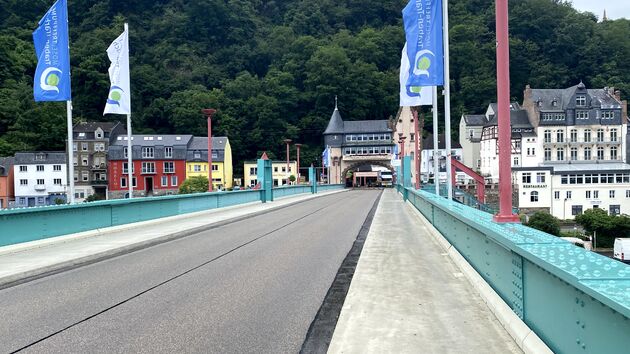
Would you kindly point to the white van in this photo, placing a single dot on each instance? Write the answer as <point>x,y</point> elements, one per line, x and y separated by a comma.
<point>622,249</point>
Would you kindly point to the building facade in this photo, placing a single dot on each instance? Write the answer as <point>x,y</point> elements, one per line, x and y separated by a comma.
<point>430,157</point>
<point>7,188</point>
<point>279,173</point>
<point>40,178</point>
<point>91,146</point>
<point>159,165</point>
<point>197,160</point>
<point>470,130</point>
<point>570,155</point>
<point>354,144</point>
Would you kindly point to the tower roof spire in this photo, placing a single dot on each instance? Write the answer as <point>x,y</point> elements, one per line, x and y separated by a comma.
<point>336,109</point>
<point>604,18</point>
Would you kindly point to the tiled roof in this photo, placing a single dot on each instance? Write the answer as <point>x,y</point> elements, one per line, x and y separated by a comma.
<point>49,157</point>
<point>475,120</point>
<point>518,119</point>
<point>427,143</point>
<point>6,163</point>
<point>86,127</point>
<point>335,125</point>
<point>154,140</point>
<point>201,143</point>
<point>338,126</point>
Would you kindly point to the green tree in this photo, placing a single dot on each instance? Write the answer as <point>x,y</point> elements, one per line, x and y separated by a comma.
<point>195,184</point>
<point>545,222</point>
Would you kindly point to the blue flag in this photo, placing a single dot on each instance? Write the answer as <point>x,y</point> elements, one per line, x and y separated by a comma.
<point>52,75</point>
<point>326,157</point>
<point>425,49</point>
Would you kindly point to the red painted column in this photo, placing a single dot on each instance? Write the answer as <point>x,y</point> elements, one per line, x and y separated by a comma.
<point>503,100</point>
<point>298,162</point>
<point>208,113</point>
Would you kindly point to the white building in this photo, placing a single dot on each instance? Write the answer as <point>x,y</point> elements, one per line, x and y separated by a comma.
<point>470,129</point>
<point>429,159</point>
<point>41,178</point>
<point>570,154</point>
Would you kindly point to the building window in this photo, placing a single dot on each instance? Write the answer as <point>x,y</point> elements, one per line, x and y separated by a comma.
<point>40,157</point>
<point>527,177</point>
<point>576,210</point>
<point>613,135</point>
<point>627,193</point>
<point>574,154</point>
<point>40,168</point>
<point>123,182</point>
<point>215,167</point>
<point>148,153</point>
<point>126,168</point>
<point>84,146</point>
<point>547,154</point>
<point>560,154</point>
<point>76,176</point>
<point>23,168</point>
<point>614,209</point>
<point>595,194</point>
<point>57,168</point>
<point>125,152</point>
<point>516,161</point>
<point>253,170</point>
<point>215,155</point>
<point>547,136</point>
<point>57,181</point>
<point>197,154</point>
<point>600,135</point>
<point>581,114</point>
<point>613,153</point>
<point>85,176</point>
<point>588,195</point>
<point>533,197</point>
<point>284,169</point>
<point>611,194</point>
<point>174,181</point>
<point>560,136</point>
<point>164,181</point>
<point>600,153</point>
<point>569,194</point>
<point>587,135</point>
<point>168,152</point>
<point>608,114</point>
<point>580,101</point>
<point>197,168</point>
<point>148,167</point>
<point>574,135</point>
<point>540,177</point>
<point>556,195</point>
<point>40,181</point>
<point>169,167</point>
<point>74,146</point>
<point>587,153</point>
<point>275,169</point>
<point>84,160</point>
<point>23,182</point>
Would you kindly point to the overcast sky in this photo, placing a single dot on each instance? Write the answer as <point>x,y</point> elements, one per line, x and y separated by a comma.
<point>614,8</point>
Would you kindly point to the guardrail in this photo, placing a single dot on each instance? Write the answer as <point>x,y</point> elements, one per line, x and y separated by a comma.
<point>575,300</point>
<point>30,224</point>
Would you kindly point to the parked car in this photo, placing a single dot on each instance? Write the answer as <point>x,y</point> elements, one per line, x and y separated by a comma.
<point>236,188</point>
<point>622,249</point>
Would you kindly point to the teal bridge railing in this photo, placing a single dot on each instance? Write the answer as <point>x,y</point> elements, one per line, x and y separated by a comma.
<point>30,224</point>
<point>575,300</point>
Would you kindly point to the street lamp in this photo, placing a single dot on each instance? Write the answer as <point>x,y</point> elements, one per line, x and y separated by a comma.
<point>288,142</point>
<point>402,156</point>
<point>209,112</point>
<point>298,161</point>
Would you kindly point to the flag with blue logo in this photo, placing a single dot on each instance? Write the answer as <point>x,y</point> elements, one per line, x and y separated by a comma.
<point>119,97</point>
<point>52,47</point>
<point>326,157</point>
<point>411,96</point>
<point>425,49</point>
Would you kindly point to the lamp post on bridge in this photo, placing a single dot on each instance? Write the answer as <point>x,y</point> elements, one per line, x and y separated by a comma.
<point>298,162</point>
<point>288,142</point>
<point>402,156</point>
<point>209,112</point>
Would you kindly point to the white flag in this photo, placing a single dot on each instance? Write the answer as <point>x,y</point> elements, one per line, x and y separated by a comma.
<point>411,96</point>
<point>119,98</point>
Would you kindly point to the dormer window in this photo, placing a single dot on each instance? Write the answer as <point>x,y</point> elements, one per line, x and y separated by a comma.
<point>98,133</point>
<point>580,101</point>
<point>554,102</point>
<point>40,157</point>
<point>539,102</point>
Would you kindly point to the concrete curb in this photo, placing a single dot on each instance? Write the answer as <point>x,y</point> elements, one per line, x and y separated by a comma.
<point>524,336</point>
<point>23,277</point>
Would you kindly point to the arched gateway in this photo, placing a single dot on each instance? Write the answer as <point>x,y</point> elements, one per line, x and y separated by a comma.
<point>358,143</point>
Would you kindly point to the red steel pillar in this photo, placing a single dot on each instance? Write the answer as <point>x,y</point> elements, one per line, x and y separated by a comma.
<point>288,141</point>
<point>298,162</point>
<point>503,99</point>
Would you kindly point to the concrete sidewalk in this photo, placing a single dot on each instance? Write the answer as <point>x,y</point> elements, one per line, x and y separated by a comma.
<point>26,261</point>
<point>407,295</point>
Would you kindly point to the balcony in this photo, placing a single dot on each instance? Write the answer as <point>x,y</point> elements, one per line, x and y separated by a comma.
<point>40,187</point>
<point>99,182</point>
<point>101,166</point>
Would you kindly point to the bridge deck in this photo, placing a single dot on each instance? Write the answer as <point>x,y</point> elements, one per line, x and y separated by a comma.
<point>407,296</point>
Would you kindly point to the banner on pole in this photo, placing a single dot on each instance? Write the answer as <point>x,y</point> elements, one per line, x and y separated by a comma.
<point>326,157</point>
<point>52,75</point>
<point>119,98</point>
<point>425,49</point>
<point>411,96</point>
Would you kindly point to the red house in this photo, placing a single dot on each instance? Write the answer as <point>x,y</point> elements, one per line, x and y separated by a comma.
<point>159,165</point>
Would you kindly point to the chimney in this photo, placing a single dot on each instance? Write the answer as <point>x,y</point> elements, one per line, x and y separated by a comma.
<point>531,107</point>
<point>618,95</point>
<point>624,111</point>
<point>527,94</point>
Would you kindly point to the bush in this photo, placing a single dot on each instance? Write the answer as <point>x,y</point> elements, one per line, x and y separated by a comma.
<point>196,184</point>
<point>545,222</point>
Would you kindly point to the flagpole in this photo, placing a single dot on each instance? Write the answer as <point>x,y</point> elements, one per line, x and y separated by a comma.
<point>436,161</point>
<point>70,153</point>
<point>447,102</point>
<point>129,157</point>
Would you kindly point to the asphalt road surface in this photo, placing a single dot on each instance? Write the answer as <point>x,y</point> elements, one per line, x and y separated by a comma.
<point>252,286</point>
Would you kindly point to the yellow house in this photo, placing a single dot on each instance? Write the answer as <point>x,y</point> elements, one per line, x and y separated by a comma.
<point>197,160</point>
<point>278,169</point>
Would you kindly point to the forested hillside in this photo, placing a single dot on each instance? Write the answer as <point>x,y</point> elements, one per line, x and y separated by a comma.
<point>272,68</point>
